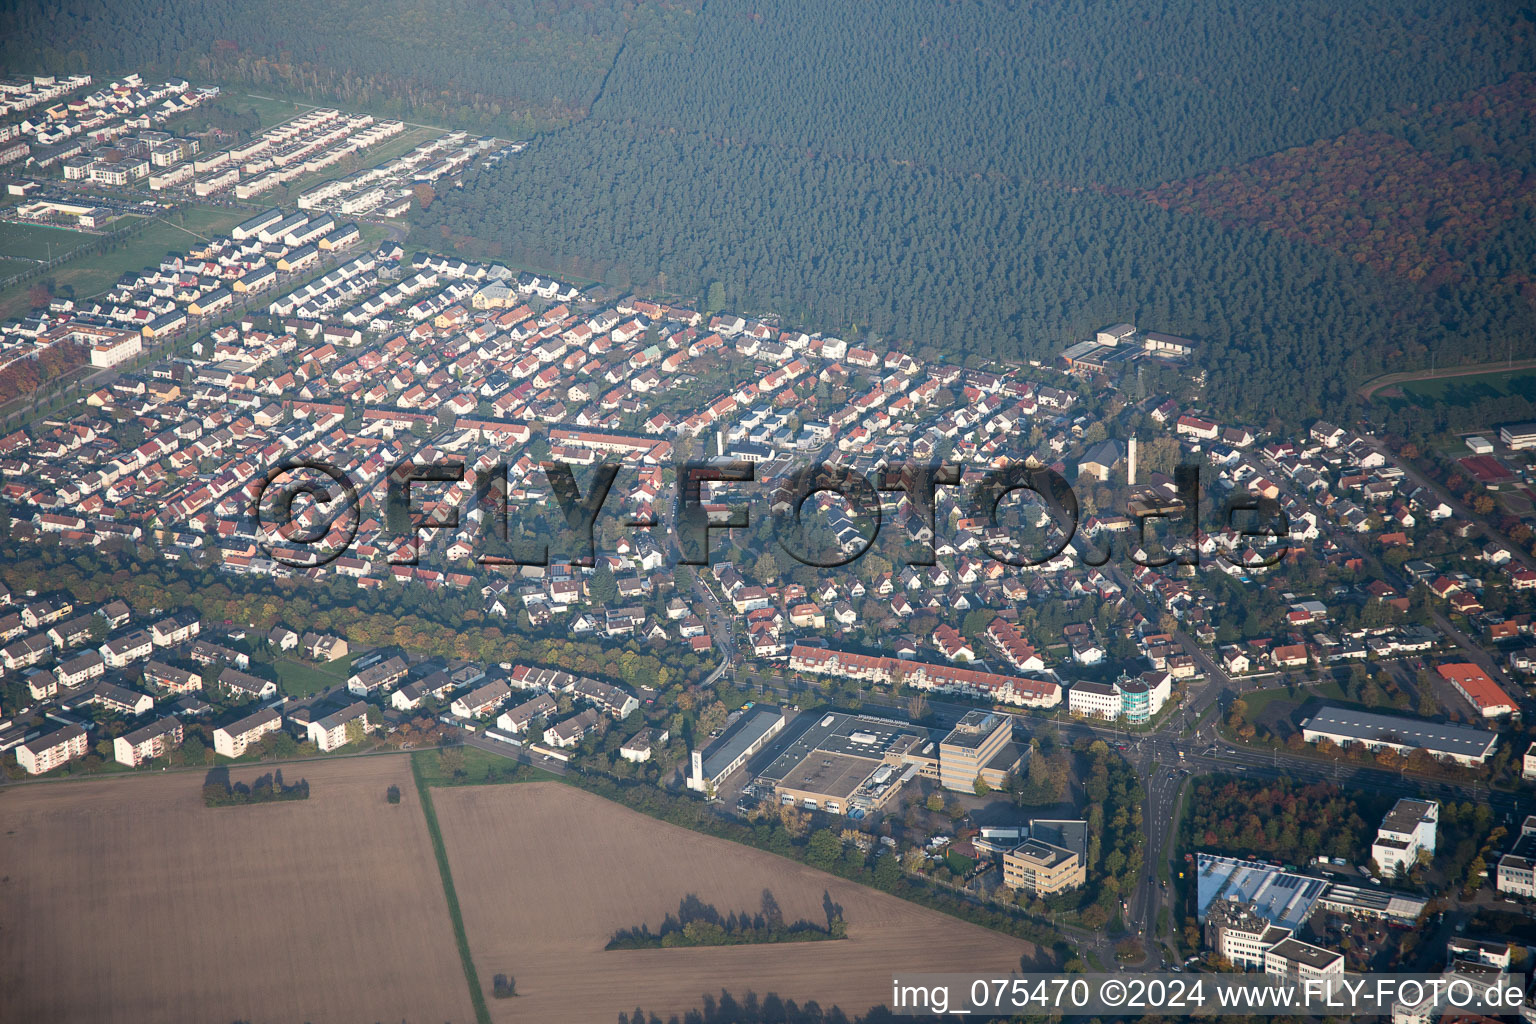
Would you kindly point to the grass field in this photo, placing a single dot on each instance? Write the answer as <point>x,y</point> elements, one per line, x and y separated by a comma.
<point>32,242</point>
<point>1462,391</point>
<point>546,874</point>
<point>128,900</point>
<point>92,273</point>
<point>1454,385</point>
<point>302,678</point>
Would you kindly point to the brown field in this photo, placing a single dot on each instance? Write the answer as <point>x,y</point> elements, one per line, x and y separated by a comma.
<point>546,874</point>
<point>127,899</point>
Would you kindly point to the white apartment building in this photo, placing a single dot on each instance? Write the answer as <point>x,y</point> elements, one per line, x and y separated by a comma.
<point>119,349</point>
<point>330,732</point>
<point>48,752</point>
<point>147,742</point>
<point>233,739</point>
<point>1406,830</point>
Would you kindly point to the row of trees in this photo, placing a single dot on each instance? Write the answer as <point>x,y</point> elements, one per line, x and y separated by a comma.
<point>700,924</point>
<point>218,791</point>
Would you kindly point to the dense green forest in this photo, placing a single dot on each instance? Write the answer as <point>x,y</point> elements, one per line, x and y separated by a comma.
<point>972,179</point>
<point>507,66</point>
<point>975,178</point>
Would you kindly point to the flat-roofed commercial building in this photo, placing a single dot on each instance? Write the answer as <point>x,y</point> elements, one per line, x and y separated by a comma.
<point>1517,869</point>
<point>1278,896</point>
<point>1347,727</point>
<point>1240,934</point>
<point>981,744</point>
<point>1300,961</point>
<point>751,731</point>
<point>1406,830</point>
<point>1519,435</point>
<point>1042,869</point>
<point>847,764</point>
<point>1094,700</point>
<point>1372,903</point>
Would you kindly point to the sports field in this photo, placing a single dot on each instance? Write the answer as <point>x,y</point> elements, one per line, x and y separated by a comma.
<point>34,242</point>
<point>92,273</point>
<point>546,874</point>
<point>1456,385</point>
<point>126,899</point>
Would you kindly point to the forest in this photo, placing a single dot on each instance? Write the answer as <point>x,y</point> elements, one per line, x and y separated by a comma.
<point>510,66</point>
<point>977,179</point>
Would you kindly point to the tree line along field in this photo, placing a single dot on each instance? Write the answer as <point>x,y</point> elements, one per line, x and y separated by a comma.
<point>129,899</point>
<point>546,875</point>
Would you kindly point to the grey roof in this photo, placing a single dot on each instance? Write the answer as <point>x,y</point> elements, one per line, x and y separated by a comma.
<point>1105,453</point>
<point>741,735</point>
<point>1305,953</point>
<point>837,732</point>
<point>153,729</point>
<point>1436,737</point>
<point>976,727</point>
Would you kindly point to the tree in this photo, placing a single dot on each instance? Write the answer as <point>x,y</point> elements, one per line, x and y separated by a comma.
<point>714,297</point>
<point>823,849</point>
<point>602,587</point>
<point>392,794</point>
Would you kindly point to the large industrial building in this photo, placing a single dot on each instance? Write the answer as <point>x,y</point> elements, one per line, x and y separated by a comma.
<point>747,735</point>
<point>848,764</point>
<point>1286,899</point>
<point>1347,727</point>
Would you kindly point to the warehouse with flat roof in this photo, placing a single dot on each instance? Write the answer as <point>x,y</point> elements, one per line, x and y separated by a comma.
<point>748,734</point>
<point>1347,726</point>
<point>847,764</point>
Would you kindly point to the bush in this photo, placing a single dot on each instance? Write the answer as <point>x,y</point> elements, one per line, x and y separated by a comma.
<point>392,794</point>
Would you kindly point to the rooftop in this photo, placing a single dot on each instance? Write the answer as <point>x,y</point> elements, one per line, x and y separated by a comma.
<point>1436,737</point>
<point>842,735</point>
<point>740,736</point>
<point>976,727</point>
